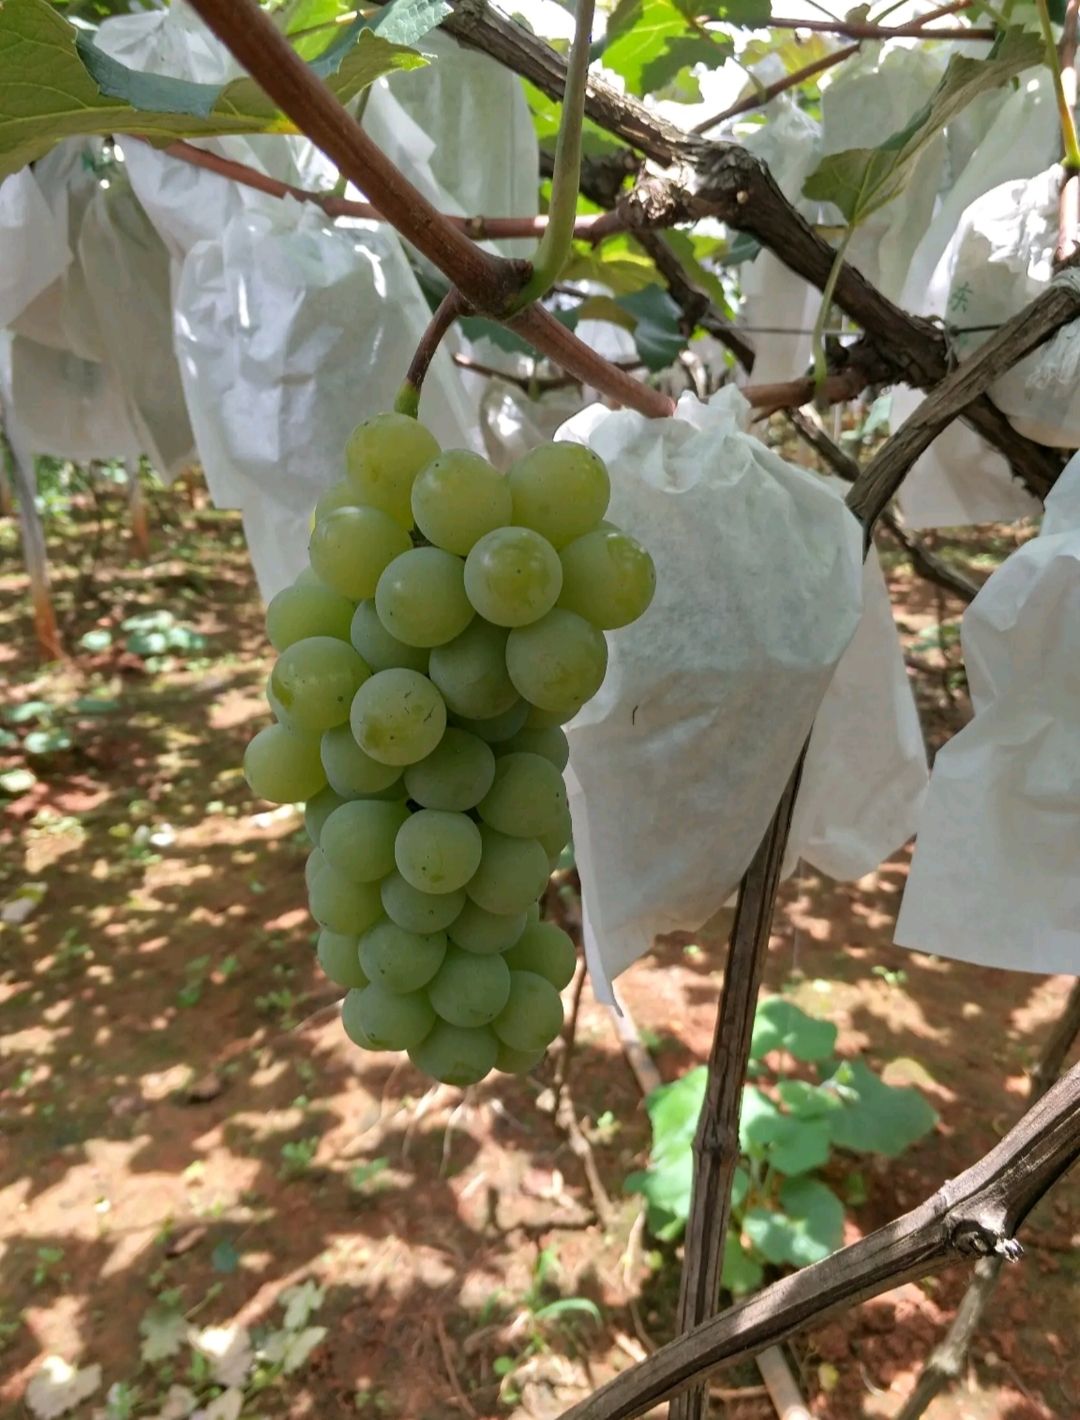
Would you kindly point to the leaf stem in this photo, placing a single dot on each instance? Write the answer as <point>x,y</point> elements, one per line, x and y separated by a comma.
<point>554,246</point>
<point>821,368</point>
<point>1071,147</point>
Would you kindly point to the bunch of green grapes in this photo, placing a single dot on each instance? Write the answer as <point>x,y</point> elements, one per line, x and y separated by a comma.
<point>451,620</point>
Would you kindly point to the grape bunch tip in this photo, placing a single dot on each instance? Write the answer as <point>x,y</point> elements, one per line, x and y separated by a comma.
<point>451,620</point>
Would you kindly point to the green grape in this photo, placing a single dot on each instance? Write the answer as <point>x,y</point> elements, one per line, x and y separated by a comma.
<point>485,932</point>
<point>399,960</point>
<point>398,716</point>
<point>437,851</point>
<point>339,958</point>
<point>470,671</point>
<point>532,912</point>
<point>308,578</point>
<point>318,810</point>
<point>559,490</point>
<point>512,872</point>
<point>556,839</point>
<point>350,547</point>
<point>517,1062</point>
<point>497,728</point>
<point>383,456</point>
<point>338,495</point>
<point>283,766</point>
<point>458,498</point>
<point>527,797</point>
<point>314,862</point>
<point>314,681</point>
<point>469,990</point>
<point>343,906</point>
<point>538,719</point>
<point>608,578</point>
<point>552,744</point>
<point>377,1019</point>
<point>358,838</point>
<point>416,911</point>
<point>352,773</point>
<point>421,597</point>
<point>557,663</point>
<point>455,775</point>
<point>533,1015</point>
<point>513,576</point>
<point>455,1056</point>
<point>381,650</point>
<point>304,610</point>
<point>546,950</point>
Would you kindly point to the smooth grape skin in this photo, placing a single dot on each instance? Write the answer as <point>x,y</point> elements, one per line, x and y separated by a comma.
<point>608,578</point>
<point>351,773</point>
<point>283,766</point>
<point>314,682</point>
<point>345,907</point>
<point>533,1015</point>
<point>398,717</point>
<point>517,1062</point>
<point>475,930</point>
<point>378,1019</point>
<point>559,490</point>
<point>538,719</point>
<point>513,872</point>
<point>513,576</point>
<point>458,498</point>
<point>420,597</point>
<point>350,547</point>
<point>546,950</point>
<point>526,799</point>
<point>399,960</point>
<point>436,851</point>
<point>556,839</point>
<point>379,649</point>
<point>470,671</point>
<point>304,610</point>
<point>357,839</point>
<point>454,1055</point>
<point>469,990</point>
<point>318,809</point>
<point>416,911</point>
<point>455,775</point>
<point>313,863</point>
<point>497,728</point>
<point>550,743</point>
<point>338,495</point>
<point>532,912</point>
<point>383,456</point>
<point>340,959</point>
<point>557,663</point>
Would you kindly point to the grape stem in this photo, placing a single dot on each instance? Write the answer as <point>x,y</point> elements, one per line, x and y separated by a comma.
<point>491,285</point>
<point>1069,143</point>
<point>446,312</point>
<point>554,247</point>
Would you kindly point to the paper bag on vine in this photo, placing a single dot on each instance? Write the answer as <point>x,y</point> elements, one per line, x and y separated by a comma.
<point>33,250</point>
<point>677,764</point>
<point>290,331</point>
<point>994,877</point>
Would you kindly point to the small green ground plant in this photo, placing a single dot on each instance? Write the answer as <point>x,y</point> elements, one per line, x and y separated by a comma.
<point>783,1212</point>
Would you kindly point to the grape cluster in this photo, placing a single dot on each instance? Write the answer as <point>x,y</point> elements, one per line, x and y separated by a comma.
<point>451,620</point>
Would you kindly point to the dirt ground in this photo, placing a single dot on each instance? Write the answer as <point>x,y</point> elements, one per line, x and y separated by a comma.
<point>180,1110</point>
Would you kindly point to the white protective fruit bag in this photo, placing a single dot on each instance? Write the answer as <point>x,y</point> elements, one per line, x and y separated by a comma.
<point>289,331</point>
<point>33,250</point>
<point>69,407</point>
<point>994,877</point>
<point>865,774</point>
<point>677,764</point>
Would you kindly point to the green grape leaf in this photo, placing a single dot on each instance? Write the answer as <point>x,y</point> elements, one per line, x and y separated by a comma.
<point>807,1101</point>
<point>637,35</point>
<point>752,14</point>
<point>692,251</point>
<point>769,1232</point>
<point>808,1225</point>
<point>860,180</point>
<point>55,83</point>
<point>681,51</point>
<point>780,1025</point>
<point>673,1111</point>
<point>401,22</point>
<point>791,1145</point>
<point>877,1118</point>
<point>657,331</point>
<point>742,1273</point>
<point>756,1119</point>
<point>47,741</point>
